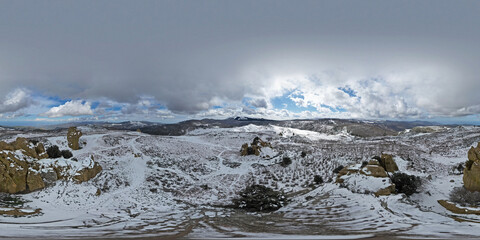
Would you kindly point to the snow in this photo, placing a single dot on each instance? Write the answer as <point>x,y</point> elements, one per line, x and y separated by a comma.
<point>162,186</point>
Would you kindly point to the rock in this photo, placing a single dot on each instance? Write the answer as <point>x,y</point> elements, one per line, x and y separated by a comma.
<point>254,148</point>
<point>34,181</point>
<point>49,177</point>
<point>26,146</point>
<point>471,173</point>
<point>87,173</point>
<point>374,162</point>
<point>18,212</point>
<point>40,149</point>
<point>73,137</point>
<point>374,171</point>
<point>387,162</point>
<point>385,191</point>
<point>458,210</point>
<point>13,173</point>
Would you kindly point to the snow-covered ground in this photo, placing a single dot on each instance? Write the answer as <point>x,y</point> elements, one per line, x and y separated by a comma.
<point>181,186</point>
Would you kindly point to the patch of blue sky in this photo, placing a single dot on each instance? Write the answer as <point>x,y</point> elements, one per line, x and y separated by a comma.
<point>285,102</point>
<point>348,91</point>
<point>95,104</point>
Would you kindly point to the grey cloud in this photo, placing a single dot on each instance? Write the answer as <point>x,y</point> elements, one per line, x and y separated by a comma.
<point>187,53</point>
<point>259,103</point>
<point>15,101</point>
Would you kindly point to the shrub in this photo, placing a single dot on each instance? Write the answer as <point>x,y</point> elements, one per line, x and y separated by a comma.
<point>67,154</point>
<point>464,197</point>
<point>260,198</point>
<point>286,161</point>
<point>54,152</point>
<point>364,163</point>
<point>405,183</point>
<point>338,169</point>
<point>317,179</point>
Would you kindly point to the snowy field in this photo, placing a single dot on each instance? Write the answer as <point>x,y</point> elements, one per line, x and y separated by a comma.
<point>181,187</point>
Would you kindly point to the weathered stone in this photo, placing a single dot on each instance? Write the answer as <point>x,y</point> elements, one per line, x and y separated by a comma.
<point>387,162</point>
<point>471,177</point>
<point>374,162</point>
<point>254,148</point>
<point>385,191</point>
<point>471,173</point>
<point>49,177</point>
<point>34,181</point>
<point>73,137</point>
<point>374,171</point>
<point>13,173</point>
<point>458,210</point>
<point>87,173</point>
<point>17,212</point>
<point>40,150</point>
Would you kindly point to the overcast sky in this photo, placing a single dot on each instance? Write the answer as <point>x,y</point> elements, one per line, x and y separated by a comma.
<point>173,60</point>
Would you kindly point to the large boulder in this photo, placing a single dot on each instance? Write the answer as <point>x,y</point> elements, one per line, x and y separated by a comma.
<point>471,173</point>
<point>254,148</point>
<point>17,175</point>
<point>73,137</point>
<point>34,181</point>
<point>374,171</point>
<point>387,162</point>
<point>87,173</point>
<point>28,148</point>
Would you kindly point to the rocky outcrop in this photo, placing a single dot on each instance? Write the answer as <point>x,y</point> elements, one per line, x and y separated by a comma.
<point>471,173</point>
<point>387,162</point>
<point>374,171</point>
<point>73,137</point>
<point>22,172</point>
<point>254,148</point>
<point>385,191</point>
<point>18,175</point>
<point>369,178</point>
<point>452,207</point>
<point>87,173</point>
<point>34,181</point>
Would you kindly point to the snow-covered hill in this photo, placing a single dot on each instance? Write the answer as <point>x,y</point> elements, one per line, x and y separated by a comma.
<point>182,186</point>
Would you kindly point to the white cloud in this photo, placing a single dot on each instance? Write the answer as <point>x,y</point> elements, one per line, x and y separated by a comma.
<point>71,108</point>
<point>15,100</point>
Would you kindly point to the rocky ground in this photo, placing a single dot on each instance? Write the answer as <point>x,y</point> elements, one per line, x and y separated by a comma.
<point>192,185</point>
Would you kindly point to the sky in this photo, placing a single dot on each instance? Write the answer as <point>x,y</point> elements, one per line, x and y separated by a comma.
<point>168,61</point>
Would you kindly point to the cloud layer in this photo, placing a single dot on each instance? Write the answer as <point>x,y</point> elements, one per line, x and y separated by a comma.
<point>164,59</point>
<point>71,108</point>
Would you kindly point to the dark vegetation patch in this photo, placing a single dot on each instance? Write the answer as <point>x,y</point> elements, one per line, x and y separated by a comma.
<point>285,161</point>
<point>317,179</point>
<point>464,197</point>
<point>260,198</point>
<point>54,152</point>
<point>338,169</point>
<point>405,183</point>
<point>67,154</point>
